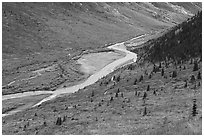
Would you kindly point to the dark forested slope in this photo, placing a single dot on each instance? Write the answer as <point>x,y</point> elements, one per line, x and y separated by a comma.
<point>180,43</point>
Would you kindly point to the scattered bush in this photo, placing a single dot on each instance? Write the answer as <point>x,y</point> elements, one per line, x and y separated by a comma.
<point>195,67</point>
<point>199,75</point>
<point>174,74</point>
<point>141,78</point>
<point>144,96</point>
<point>148,88</point>
<point>59,121</point>
<point>192,80</point>
<point>194,111</point>
<point>145,111</point>
<point>162,72</point>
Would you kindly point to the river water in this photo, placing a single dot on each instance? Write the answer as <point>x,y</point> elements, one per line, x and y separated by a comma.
<point>130,57</point>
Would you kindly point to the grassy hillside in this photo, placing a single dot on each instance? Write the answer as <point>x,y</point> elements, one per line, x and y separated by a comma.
<point>160,98</point>
<point>36,27</point>
<point>38,36</point>
<point>120,106</point>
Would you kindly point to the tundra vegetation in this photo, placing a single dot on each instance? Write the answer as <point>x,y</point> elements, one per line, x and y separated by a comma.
<point>128,100</point>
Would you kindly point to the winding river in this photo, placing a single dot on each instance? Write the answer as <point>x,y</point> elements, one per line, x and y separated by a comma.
<point>130,57</point>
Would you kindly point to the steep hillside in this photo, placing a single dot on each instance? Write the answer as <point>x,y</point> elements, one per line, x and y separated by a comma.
<point>152,96</point>
<point>42,41</point>
<point>36,27</point>
<point>182,42</point>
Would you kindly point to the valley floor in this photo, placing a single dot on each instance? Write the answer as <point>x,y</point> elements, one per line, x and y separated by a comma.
<point>116,105</point>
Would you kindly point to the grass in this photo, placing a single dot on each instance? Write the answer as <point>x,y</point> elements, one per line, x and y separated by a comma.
<point>36,35</point>
<point>90,110</point>
<point>22,103</point>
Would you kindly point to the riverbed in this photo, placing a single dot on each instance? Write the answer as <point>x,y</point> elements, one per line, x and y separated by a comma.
<point>104,70</point>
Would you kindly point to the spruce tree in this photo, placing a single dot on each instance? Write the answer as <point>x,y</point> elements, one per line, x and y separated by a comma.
<point>135,82</point>
<point>186,85</point>
<point>184,67</point>
<point>59,121</point>
<point>162,72</point>
<point>150,76</point>
<point>138,94</point>
<point>148,88</point>
<point>191,61</point>
<point>122,95</point>
<point>111,99</point>
<point>192,78</point>
<point>174,74</point>
<point>145,95</point>
<point>194,111</point>
<point>145,111</point>
<point>160,65</point>
<point>195,67</point>
<point>92,93</point>
<point>44,123</point>
<point>116,94</point>
<point>199,75</point>
<point>154,92</point>
<point>118,90</point>
<point>141,78</point>
<point>135,93</point>
<point>118,79</point>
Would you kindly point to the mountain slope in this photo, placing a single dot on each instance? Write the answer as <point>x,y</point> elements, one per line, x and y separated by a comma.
<point>33,27</point>
<point>164,98</point>
<point>39,36</point>
<point>182,42</point>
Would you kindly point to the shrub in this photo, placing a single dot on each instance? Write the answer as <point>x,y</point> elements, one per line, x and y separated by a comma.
<point>92,94</point>
<point>148,88</point>
<point>135,82</point>
<point>195,67</point>
<point>145,111</point>
<point>145,95</point>
<point>192,78</point>
<point>199,75</point>
<point>154,92</point>
<point>174,74</point>
<point>141,78</point>
<point>162,72</point>
<point>59,121</point>
<point>194,111</point>
<point>116,94</point>
<point>122,95</point>
<point>185,86</point>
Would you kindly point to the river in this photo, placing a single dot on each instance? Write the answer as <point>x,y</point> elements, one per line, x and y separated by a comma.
<point>130,57</point>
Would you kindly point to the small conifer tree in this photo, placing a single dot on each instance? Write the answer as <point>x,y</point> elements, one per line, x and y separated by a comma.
<point>148,88</point>
<point>145,95</point>
<point>195,67</point>
<point>145,111</point>
<point>174,74</point>
<point>59,121</point>
<point>194,111</point>
<point>141,78</point>
<point>162,72</point>
<point>186,85</point>
<point>199,75</point>
<point>192,78</point>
